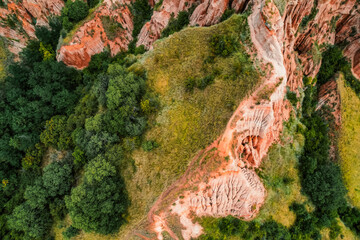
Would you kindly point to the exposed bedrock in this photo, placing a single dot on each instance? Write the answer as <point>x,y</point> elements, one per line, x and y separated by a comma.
<point>25,15</point>
<point>225,182</point>
<point>92,37</point>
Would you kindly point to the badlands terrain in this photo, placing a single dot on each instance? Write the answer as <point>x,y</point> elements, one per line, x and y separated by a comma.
<point>180,119</point>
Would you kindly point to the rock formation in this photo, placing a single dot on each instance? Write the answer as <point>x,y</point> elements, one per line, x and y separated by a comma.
<point>19,18</point>
<point>348,32</point>
<point>93,36</point>
<point>221,180</point>
<point>329,106</point>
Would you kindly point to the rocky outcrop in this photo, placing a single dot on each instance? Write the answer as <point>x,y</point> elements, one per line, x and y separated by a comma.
<point>332,20</point>
<point>221,180</point>
<point>348,33</point>
<point>206,13</point>
<point>19,18</point>
<point>97,34</point>
<point>329,106</point>
<point>151,31</point>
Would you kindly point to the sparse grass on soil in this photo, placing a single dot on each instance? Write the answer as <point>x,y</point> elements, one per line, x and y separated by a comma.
<point>281,4</point>
<point>349,142</point>
<point>281,178</point>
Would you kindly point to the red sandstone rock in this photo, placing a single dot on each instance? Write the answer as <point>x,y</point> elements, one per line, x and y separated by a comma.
<point>348,29</point>
<point>151,31</point>
<point>91,38</point>
<point>25,11</point>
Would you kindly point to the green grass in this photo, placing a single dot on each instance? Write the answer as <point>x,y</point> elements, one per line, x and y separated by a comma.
<point>280,4</point>
<point>349,142</point>
<point>281,177</point>
<point>187,122</point>
<point>3,60</point>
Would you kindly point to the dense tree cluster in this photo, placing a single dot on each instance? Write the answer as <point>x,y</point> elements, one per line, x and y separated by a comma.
<point>67,120</point>
<point>74,11</point>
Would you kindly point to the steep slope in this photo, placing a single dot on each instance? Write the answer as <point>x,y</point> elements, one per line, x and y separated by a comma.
<point>349,140</point>
<point>19,18</point>
<point>221,180</point>
<point>110,26</point>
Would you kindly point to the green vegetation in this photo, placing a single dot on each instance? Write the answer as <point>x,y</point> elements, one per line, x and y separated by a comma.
<point>73,12</point>
<point>335,62</point>
<point>305,21</point>
<point>98,204</point>
<point>56,121</point>
<point>141,12</point>
<point>71,232</point>
<point>349,141</point>
<point>3,59</point>
<point>228,13</point>
<point>111,26</point>
<point>185,122</point>
<point>281,176</point>
<point>176,24</point>
<point>201,83</point>
<point>92,3</point>
<point>223,45</point>
<point>280,4</point>
<point>321,179</point>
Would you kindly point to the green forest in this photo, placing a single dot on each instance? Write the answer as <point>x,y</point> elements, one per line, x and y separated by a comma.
<point>67,135</point>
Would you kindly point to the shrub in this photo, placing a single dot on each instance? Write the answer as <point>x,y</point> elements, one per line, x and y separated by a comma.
<point>147,146</point>
<point>70,232</point>
<point>311,16</point>
<point>223,45</point>
<point>202,83</point>
<point>33,156</point>
<point>291,96</point>
<point>76,10</point>
<point>176,24</point>
<point>73,12</point>
<point>190,83</point>
<point>227,13</point>
<point>111,26</point>
<point>92,3</point>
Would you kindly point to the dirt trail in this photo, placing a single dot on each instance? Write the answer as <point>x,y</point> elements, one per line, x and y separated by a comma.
<point>221,180</point>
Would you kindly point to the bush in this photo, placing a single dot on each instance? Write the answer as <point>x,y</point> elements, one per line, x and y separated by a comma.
<point>227,13</point>
<point>223,45</point>
<point>141,12</point>
<point>200,83</point>
<point>190,83</point>
<point>71,232</point>
<point>92,3</point>
<point>176,24</point>
<point>311,16</point>
<point>33,156</point>
<point>291,96</point>
<point>76,10</point>
<point>149,145</point>
<point>73,12</point>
